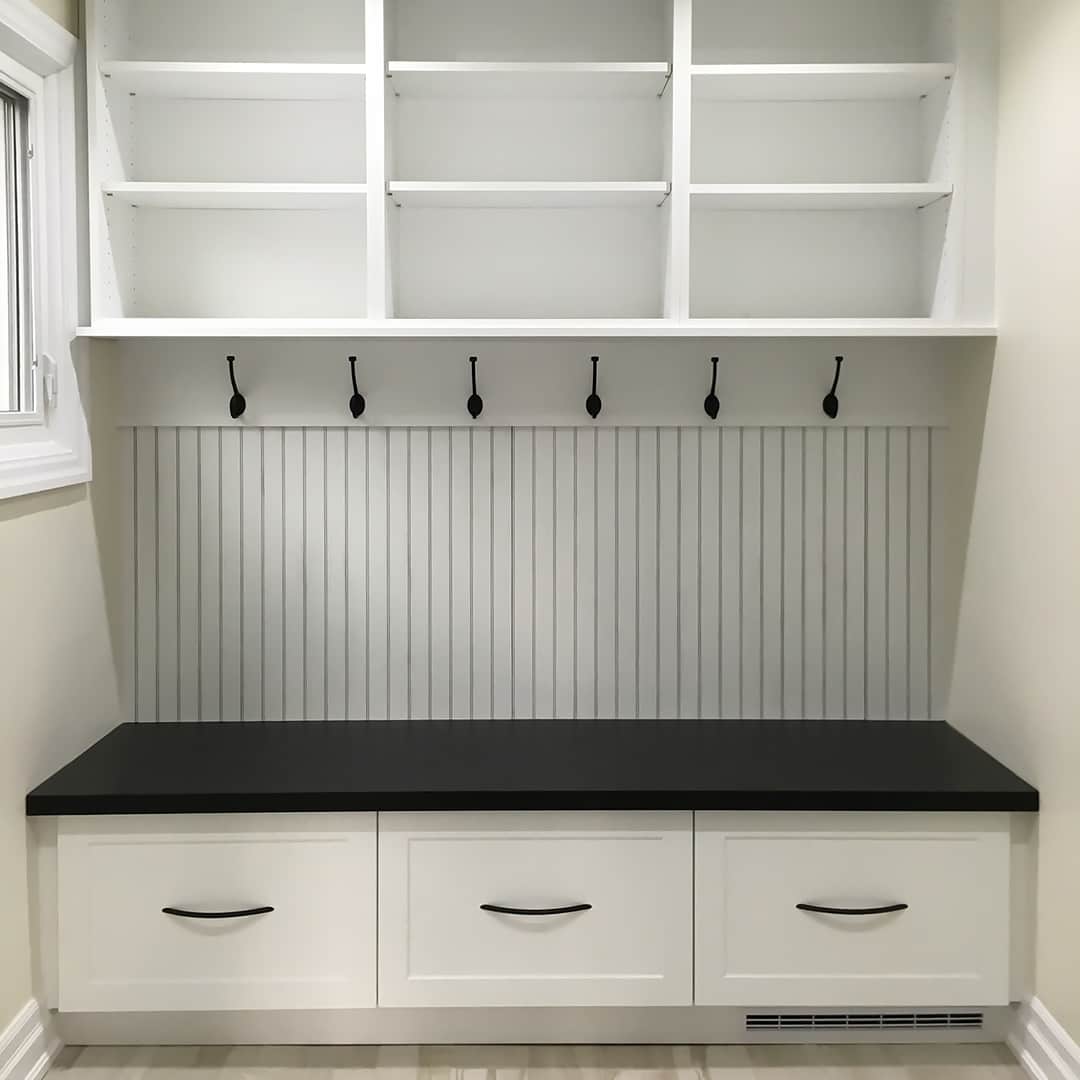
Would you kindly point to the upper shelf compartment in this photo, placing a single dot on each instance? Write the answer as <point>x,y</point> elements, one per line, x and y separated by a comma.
<point>527,79</point>
<point>617,31</point>
<point>819,32</point>
<point>818,82</point>
<point>257,82</point>
<point>316,31</point>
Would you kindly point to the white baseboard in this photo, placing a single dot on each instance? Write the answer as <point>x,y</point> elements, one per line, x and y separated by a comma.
<point>396,1027</point>
<point>1042,1046</point>
<point>28,1046</point>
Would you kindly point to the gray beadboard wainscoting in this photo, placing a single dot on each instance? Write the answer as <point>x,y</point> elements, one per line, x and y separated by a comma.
<point>313,573</point>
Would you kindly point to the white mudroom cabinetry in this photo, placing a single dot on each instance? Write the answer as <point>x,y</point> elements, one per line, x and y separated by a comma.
<point>378,168</point>
<point>278,911</point>
<point>461,898</point>
<point>273,911</point>
<point>830,909</point>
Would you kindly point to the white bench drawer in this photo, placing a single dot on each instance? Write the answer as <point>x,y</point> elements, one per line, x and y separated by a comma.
<point>439,947</point>
<point>947,946</point>
<point>120,951</point>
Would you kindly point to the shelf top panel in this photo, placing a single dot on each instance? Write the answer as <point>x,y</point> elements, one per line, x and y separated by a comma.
<point>238,196</point>
<point>817,196</point>
<point>518,329</point>
<point>818,82</point>
<point>257,82</point>
<point>421,79</point>
<point>526,194</point>
<point>497,764</point>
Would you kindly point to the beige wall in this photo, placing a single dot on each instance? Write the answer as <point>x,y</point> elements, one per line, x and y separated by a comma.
<point>65,12</point>
<point>60,693</point>
<point>56,663</point>
<point>1016,685</point>
<point>56,666</point>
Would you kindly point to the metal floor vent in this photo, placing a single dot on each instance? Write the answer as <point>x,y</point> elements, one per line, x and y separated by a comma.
<point>860,1021</point>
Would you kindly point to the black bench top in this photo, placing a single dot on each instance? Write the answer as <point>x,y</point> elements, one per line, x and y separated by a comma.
<point>532,765</point>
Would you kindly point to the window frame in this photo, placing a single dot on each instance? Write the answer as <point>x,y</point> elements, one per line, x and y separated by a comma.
<point>47,446</point>
<point>27,263</point>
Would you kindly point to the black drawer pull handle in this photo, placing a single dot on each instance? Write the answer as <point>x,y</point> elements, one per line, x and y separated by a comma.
<point>500,910</point>
<point>888,909</point>
<point>182,914</point>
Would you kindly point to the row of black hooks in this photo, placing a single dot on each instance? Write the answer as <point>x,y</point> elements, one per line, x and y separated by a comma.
<point>594,404</point>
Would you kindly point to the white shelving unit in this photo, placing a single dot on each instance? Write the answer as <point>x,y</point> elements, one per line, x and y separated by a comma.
<point>526,79</point>
<point>523,194</point>
<point>818,82</point>
<point>846,197</point>
<point>239,196</point>
<point>519,329</point>
<point>579,168</point>
<point>254,82</point>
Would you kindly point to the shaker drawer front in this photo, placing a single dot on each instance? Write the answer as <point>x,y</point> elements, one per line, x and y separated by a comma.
<point>839,910</point>
<point>535,909</point>
<point>217,912</point>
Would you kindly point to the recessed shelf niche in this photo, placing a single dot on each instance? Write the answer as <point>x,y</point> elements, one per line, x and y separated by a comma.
<point>171,262</point>
<point>836,263</point>
<point>505,30</point>
<point>820,31</point>
<point>228,160</point>
<point>317,31</point>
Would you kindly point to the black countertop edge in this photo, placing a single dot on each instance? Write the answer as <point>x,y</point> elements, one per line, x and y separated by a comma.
<point>597,765</point>
<point>396,801</point>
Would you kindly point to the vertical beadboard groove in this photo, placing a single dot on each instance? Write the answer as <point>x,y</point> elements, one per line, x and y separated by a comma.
<point>131,682</point>
<point>532,572</point>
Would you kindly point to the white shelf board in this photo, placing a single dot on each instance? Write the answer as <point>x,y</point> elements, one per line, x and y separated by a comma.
<point>526,194</point>
<point>257,82</point>
<point>816,196</point>
<point>238,196</point>
<point>346,329</point>
<point>817,82</point>
<point>434,79</point>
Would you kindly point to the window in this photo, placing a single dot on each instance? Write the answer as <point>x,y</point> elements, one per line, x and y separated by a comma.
<point>44,439</point>
<point>16,345</point>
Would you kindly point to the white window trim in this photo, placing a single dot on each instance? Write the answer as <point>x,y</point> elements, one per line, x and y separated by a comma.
<point>49,448</point>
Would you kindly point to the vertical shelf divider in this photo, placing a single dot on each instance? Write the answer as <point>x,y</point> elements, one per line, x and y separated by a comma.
<point>677,299</point>
<point>380,302</point>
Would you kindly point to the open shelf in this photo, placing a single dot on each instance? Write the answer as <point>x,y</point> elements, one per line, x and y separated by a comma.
<point>820,31</point>
<point>286,82</point>
<point>204,263</point>
<point>817,196</point>
<point>482,194</point>
<point>317,31</point>
<point>198,196</point>
<point>433,79</point>
<point>505,30</point>
<point>818,82</point>
<point>346,329</point>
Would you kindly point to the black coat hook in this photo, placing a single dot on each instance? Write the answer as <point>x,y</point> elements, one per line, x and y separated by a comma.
<point>237,403</point>
<point>831,404</point>
<point>475,404</point>
<point>357,404</point>
<point>593,404</point>
<point>712,402</point>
